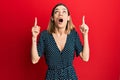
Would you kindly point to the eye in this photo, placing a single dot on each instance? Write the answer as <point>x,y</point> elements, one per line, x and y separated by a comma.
<point>56,12</point>
<point>64,11</point>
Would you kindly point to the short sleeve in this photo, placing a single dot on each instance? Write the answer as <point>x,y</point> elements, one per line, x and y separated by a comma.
<point>40,45</point>
<point>78,45</point>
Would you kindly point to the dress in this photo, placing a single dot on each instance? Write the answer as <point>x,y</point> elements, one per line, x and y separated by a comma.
<point>59,62</point>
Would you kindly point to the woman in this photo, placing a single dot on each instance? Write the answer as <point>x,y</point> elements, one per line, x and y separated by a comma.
<point>58,44</point>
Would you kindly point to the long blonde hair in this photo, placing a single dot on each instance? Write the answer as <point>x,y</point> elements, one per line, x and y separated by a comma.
<point>51,25</point>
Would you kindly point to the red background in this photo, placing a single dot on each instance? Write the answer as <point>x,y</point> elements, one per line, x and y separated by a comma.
<point>17,19</point>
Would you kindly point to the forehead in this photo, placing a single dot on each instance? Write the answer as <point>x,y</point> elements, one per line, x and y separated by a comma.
<point>61,7</point>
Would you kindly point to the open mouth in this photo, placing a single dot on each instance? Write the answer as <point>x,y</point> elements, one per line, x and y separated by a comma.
<point>60,20</point>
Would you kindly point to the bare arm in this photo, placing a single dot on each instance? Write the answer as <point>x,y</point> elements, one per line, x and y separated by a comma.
<point>34,53</point>
<point>85,53</point>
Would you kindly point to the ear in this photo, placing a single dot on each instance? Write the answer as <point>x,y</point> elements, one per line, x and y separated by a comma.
<point>51,18</point>
<point>68,18</point>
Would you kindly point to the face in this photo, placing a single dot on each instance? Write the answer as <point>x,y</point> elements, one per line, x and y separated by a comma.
<point>60,16</point>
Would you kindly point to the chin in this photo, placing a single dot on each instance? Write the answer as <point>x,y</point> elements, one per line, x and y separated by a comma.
<point>61,27</point>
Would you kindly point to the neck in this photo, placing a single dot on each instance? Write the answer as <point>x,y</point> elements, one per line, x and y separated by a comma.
<point>60,31</point>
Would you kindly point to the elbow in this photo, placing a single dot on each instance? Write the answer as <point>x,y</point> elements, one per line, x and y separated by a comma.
<point>86,59</point>
<point>34,61</point>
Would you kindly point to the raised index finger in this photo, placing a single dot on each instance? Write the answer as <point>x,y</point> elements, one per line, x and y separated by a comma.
<point>83,20</point>
<point>35,24</point>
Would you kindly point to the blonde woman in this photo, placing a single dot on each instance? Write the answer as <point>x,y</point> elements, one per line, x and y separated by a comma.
<point>58,44</point>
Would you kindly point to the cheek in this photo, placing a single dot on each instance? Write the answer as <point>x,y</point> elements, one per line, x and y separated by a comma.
<point>66,18</point>
<point>65,21</point>
<point>55,17</point>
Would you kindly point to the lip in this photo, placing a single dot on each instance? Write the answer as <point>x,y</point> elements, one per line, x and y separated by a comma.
<point>60,20</point>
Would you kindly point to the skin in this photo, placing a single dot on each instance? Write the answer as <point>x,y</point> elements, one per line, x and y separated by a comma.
<point>60,34</point>
<point>34,53</point>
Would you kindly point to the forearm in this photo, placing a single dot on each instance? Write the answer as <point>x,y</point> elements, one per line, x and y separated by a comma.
<point>34,53</point>
<point>85,53</point>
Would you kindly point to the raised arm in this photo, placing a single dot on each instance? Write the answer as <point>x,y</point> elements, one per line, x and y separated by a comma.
<point>84,29</point>
<point>34,53</point>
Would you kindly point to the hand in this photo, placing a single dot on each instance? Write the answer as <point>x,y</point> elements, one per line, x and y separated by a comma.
<point>35,29</point>
<point>84,28</point>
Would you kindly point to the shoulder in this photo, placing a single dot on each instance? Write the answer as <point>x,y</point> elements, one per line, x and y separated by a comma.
<point>44,33</point>
<point>73,32</point>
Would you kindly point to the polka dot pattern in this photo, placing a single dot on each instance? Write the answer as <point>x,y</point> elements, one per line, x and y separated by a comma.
<point>59,62</point>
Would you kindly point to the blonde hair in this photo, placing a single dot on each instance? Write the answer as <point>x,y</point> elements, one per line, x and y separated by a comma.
<point>51,25</point>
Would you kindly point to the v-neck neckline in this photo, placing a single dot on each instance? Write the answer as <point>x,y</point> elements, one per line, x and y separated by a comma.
<point>57,45</point>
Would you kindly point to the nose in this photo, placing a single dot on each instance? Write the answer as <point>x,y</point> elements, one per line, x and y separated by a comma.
<point>60,13</point>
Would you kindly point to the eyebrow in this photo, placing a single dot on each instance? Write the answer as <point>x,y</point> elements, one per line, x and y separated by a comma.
<point>62,9</point>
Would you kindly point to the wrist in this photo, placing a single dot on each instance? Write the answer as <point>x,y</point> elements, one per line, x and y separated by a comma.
<point>85,35</point>
<point>34,39</point>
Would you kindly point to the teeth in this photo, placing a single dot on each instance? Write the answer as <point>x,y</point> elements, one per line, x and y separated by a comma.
<point>60,20</point>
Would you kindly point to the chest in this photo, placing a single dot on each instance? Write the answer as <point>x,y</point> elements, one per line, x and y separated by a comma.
<point>60,41</point>
<point>54,46</point>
